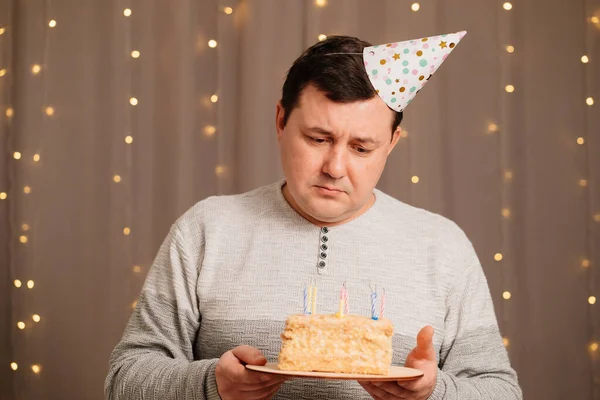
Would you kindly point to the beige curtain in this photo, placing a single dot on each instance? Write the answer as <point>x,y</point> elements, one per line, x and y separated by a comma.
<point>506,166</point>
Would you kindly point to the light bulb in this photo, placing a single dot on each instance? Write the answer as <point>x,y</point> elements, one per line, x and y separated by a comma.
<point>14,366</point>
<point>492,127</point>
<point>127,12</point>
<point>23,239</point>
<point>589,101</point>
<point>583,182</point>
<point>414,179</point>
<point>498,256</point>
<point>117,178</point>
<point>219,170</point>
<point>2,72</point>
<point>322,37</point>
<point>36,157</point>
<point>597,217</point>
<point>585,59</point>
<point>49,111</point>
<point>27,189</point>
<point>592,299</point>
<point>228,10</point>
<point>2,30</point>
<point>25,227</point>
<point>580,140</point>
<point>594,346</point>
<point>126,231</point>
<point>17,283</point>
<point>135,54</point>
<point>585,263</point>
<point>510,49</point>
<point>209,130</point>
<point>505,341</point>
<point>35,69</point>
<point>21,325</point>
<point>509,88</point>
<point>3,195</point>
<point>321,3</point>
<point>128,139</point>
<point>214,98</point>
<point>506,295</point>
<point>403,133</point>
<point>36,369</point>
<point>137,269</point>
<point>508,175</point>
<point>52,23</point>
<point>595,20</point>
<point>212,43</point>
<point>10,112</point>
<point>30,284</point>
<point>134,304</point>
<point>133,101</point>
<point>505,212</point>
<point>17,155</point>
<point>507,6</point>
<point>36,318</point>
<point>415,7</point>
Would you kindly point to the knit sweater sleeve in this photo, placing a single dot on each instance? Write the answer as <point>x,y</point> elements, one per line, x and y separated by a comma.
<point>154,359</point>
<point>474,363</point>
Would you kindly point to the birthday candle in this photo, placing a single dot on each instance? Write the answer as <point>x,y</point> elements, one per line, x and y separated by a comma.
<point>305,301</point>
<point>314,299</point>
<point>373,299</point>
<point>341,308</point>
<point>382,311</point>
<point>309,302</point>
<point>346,306</point>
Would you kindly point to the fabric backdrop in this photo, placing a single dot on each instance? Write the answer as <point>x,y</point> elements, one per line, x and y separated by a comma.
<point>506,166</point>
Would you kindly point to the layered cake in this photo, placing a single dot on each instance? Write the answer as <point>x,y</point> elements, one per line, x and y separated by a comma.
<point>330,343</point>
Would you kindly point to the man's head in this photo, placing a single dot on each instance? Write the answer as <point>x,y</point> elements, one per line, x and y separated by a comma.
<point>334,131</point>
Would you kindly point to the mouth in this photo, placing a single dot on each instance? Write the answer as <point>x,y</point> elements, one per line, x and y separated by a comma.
<point>330,190</point>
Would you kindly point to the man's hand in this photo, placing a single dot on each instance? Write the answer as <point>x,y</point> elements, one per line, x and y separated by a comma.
<point>421,357</point>
<point>234,381</point>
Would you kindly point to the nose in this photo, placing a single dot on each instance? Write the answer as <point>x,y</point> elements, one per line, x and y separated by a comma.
<point>335,163</point>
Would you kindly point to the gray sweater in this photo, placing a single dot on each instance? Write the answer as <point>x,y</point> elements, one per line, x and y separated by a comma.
<point>232,268</point>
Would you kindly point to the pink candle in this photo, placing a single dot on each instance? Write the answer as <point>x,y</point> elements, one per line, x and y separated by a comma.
<point>382,310</point>
<point>345,295</point>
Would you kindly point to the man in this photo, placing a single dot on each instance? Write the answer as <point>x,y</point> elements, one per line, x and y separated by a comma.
<point>232,268</point>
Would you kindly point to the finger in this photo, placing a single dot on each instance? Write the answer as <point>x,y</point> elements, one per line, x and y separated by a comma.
<point>249,355</point>
<point>425,349</point>
<point>374,391</point>
<point>262,393</point>
<point>384,391</point>
<point>235,372</point>
<point>250,387</point>
<point>270,394</point>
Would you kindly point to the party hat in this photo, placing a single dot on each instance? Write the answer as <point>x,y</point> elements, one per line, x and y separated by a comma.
<point>399,70</point>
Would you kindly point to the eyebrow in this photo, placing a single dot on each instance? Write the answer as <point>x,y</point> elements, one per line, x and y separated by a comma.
<point>323,131</point>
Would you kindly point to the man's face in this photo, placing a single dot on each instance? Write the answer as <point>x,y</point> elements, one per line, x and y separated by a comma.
<point>333,154</point>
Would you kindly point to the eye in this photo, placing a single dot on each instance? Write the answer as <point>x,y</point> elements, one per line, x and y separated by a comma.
<point>362,150</point>
<point>317,140</point>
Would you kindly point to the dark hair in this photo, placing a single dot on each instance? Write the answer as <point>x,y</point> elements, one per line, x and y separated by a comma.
<point>341,77</point>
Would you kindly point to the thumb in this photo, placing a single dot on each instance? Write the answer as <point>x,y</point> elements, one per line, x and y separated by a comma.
<point>249,355</point>
<point>425,349</point>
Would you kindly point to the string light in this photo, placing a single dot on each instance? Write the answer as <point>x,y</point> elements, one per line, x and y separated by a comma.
<point>14,366</point>
<point>35,69</point>
<point>49,111</point>
<point>17,155</point>
<point>414,179</point>
<point>585,263</point>
<point>492,127</point>
<point>2,72</point>
<point>589,101</point>
<point>583,182</point>
<point>52,23</point>
<point>510,49</point>
<point>137,269</point>
<point>321,3</point>
<point>117,178</point>
<point>592,299</point>
<point>25,227</point>
<point>415,7</point>
<point>17,283</point>
<point>580,140</point>
<point>134,304</point>
<point>506,295</point>
<point>509,88</point>
<point>212,43</point>
<point>135,54</point>
<point>128,139</point>
<point>507,6</point>
<point>127,12</point>
<point>27,189</point>
<point>585,59</point>
<point>595,20</point>
<point>3,195</point>
<point>322,37</point>
<point>593,346</point>
<point>126,231</point>
<point>23,239</point>
<point>36,318</point>
<point>228,10</point>
<point>2,30</point>
<point>219,170</point>
<point>36,157</point>
<point>505,212</point>
<point>214,98</point>
<point>36,368</point>
<point>209,130</point>
<point>505,341</point>
<point>508,176</point>
<point>498,256</point>
<point>30,284</point>
<point>597,217</point>
<point>10,112</point>
<point>133,101</point>
<point>21,325</point>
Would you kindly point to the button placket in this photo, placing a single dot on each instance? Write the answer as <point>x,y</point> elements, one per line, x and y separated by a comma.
<point>323,247</point>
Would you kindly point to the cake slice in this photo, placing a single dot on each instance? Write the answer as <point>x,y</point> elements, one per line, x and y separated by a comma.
<point>329,343</point>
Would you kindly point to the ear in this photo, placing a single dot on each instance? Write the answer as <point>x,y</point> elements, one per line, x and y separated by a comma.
<point>395,137</point>
<point>279,117</point>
